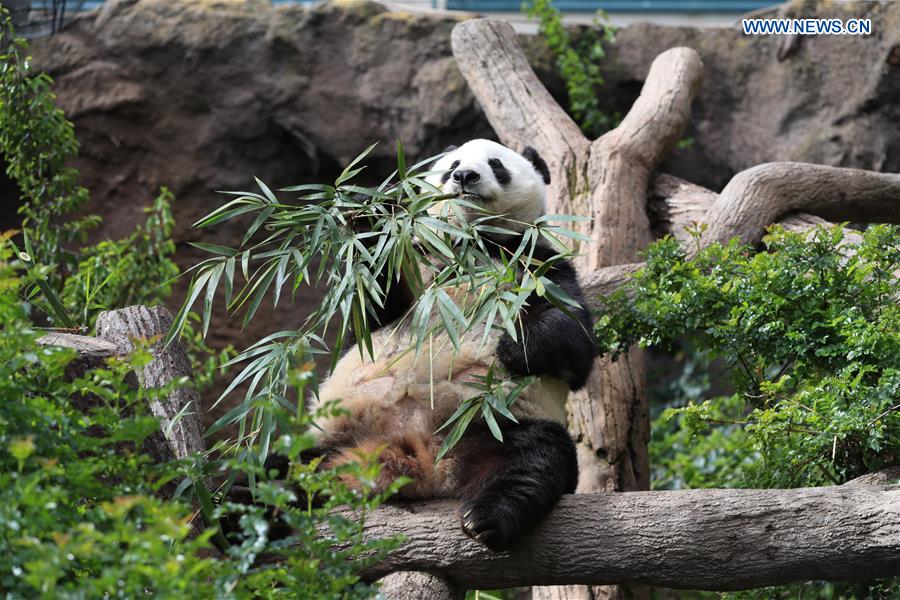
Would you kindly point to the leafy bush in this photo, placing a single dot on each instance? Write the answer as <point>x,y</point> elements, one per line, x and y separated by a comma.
<point>37,142</point>
<point>809,336</point>
<point>80,511</point>
<point>576,59</point>
<point>78,514</point>
<point>810,331</point>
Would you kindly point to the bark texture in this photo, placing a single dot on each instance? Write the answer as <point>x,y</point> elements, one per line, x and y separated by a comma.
<point>120,332</point>
<point>419,585</point>
<point>695,539</point>
<point>131,327</point>
<point>757,197</point>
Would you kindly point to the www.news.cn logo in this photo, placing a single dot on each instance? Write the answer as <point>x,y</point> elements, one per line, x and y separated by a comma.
<point>807,26</point>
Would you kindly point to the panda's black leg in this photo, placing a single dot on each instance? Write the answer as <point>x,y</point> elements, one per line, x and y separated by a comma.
<point>515,483</point>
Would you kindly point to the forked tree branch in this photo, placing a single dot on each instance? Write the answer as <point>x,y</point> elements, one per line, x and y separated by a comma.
<point>697,539</point>
<point>675,206</point>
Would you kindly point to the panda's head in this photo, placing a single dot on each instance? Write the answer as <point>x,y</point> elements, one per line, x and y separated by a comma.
<point>499,180</point>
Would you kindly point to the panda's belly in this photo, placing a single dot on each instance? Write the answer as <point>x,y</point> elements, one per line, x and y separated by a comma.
<point>400,388</point>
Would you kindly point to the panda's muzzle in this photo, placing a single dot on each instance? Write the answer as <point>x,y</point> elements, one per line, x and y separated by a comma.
<point>465,177</point>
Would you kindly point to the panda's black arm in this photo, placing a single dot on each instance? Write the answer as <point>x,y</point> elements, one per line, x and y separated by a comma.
<point>552,342</point>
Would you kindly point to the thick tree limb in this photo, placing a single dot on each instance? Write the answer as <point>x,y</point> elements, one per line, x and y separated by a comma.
<point>695,539</point>
<point>676,206</point>
<point>759,196</point>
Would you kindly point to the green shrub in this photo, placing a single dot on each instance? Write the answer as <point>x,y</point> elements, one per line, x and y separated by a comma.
<point>808,333</point>
<point>80,514</point>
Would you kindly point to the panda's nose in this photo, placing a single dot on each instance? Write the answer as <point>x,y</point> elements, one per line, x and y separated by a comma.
<point>465,177</point>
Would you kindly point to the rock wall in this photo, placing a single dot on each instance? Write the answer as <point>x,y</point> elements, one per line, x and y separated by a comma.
<point>830,99</point>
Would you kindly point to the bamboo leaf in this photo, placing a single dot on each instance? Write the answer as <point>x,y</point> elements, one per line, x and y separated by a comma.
<point>214,248</point>
<point>458,430</point>
<point>490,420</point>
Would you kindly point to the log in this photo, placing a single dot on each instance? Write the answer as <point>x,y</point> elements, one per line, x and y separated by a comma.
<point>135,326</point>
<point>717,540</point>
<point>418,585</point>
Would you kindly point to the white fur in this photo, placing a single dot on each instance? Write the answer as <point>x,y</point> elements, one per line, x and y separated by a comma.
<point>522,200</point>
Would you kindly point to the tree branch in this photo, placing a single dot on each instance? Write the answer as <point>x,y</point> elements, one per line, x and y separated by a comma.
<point>518,106</point>
<point>675,206</point>
<point>655,121</point>
<point>695,539</point>
<point>759,196</point>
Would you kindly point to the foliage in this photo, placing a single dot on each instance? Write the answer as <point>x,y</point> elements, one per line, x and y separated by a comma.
<point>325,517</point>
<point>80,514</point>
<point>810,331</point>
<point>808,334</point>
<point>356,243</point>
<point>576,59</point>
<point>37,141</point>
<point>106,274</point>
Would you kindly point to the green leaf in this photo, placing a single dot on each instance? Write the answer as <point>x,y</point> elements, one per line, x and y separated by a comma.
<point>214,248</point>
<point>459,428</point>
<point>490,420</point>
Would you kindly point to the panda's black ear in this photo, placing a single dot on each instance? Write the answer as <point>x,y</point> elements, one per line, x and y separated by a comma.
<point>539,165</point>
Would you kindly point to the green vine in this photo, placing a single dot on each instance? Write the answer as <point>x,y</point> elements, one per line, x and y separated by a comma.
<point>577,58</point>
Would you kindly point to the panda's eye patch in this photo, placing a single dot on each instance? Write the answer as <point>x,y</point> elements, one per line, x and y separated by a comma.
<point>449,171</point>
<point>500,173</point>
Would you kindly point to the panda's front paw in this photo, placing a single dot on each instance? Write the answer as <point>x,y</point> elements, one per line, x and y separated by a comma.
<point>487,522</point>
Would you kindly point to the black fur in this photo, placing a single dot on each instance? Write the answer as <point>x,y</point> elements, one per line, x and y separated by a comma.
<point>465,176</point>
<point>539,165</point>
<point>513,484</point>
<point>501,174</point>
<point>446,176</point>
<point>551,342</point>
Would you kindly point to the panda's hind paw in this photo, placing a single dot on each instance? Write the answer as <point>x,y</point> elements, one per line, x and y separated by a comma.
<point>486,525</point>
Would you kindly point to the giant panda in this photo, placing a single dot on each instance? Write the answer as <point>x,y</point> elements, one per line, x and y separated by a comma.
<point>395,402</point>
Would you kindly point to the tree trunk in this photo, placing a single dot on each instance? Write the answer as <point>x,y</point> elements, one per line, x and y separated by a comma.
<point>606,179</point>
<point>120,332</point>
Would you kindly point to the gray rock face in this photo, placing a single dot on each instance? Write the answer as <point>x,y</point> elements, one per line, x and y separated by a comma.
<point>203,95</point>
<point>830,99</point>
